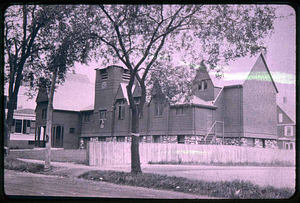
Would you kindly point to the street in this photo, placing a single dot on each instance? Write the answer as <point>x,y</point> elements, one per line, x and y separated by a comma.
<point>28,184</point>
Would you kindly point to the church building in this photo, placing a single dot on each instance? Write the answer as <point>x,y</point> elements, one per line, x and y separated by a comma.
<point>243,114</point>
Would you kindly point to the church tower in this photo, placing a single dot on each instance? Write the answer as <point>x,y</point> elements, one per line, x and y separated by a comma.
<point>107,84</point>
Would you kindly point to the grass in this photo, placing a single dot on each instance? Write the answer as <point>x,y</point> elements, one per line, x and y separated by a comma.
<point>225,189</point>
<point>73,156</point>
<point>17,165</point>
<point>273,164</point>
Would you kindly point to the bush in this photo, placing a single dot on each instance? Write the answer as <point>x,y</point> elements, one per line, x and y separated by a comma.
<point>15,164</point>
<point>228,189</point>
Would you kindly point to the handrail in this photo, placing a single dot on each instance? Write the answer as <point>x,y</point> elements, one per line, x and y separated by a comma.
<point>213,125</point>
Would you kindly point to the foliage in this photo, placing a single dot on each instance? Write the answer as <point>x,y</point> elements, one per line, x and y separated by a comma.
<point>59,42</point>
<point>147,37</point>
<point>155,38</point>
<point>229,189</point>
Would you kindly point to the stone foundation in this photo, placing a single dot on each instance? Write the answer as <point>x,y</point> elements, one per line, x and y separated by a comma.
<point>231,141</point>
<point>271,144</point>
<point>219,141</point>
<point>258,143</point>
<point>243,142</point>
<point>189,139</point>
<point>169,139</point>
<point>192,139</point>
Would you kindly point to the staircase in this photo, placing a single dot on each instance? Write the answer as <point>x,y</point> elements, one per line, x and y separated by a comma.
<point>212,134</point>
<point>207,139</point>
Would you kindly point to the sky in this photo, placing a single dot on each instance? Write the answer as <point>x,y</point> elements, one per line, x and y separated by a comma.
<point>280,58</point>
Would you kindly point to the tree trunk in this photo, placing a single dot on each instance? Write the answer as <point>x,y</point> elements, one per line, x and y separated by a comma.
<point>7,129</point>
<point>9,121</point>
<point>49,122</point>
<point>135,154</point>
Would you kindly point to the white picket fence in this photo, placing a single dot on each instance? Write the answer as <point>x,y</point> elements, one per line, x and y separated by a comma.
<point>116,153</point>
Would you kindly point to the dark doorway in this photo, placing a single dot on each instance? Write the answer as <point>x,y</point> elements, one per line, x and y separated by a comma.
<point>40,136</point>
<point>57,137</point>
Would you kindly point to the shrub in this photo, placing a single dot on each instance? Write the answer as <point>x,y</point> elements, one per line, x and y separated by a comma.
<point>15,164</point>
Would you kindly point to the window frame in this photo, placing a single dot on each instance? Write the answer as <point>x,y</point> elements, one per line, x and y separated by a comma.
<point>102,114</point>
<point>291,146</point>
<point>286,131</point>
<point>280,117</point>
<point>44,114</point>
<point>179,111</point>
<point>71,130</point>
<point>203,85</point>
<point>21,127</point>
<point>121,109</point>
<point>158,109</point>
<point>287,145</point>
<point>32,126</point>
<point>86,118</point>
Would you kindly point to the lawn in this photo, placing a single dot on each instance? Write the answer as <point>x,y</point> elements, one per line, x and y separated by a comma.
<point>225,189</point>
<point>61,155</point>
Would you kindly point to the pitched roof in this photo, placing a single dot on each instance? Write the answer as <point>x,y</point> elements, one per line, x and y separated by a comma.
<point>238,72</point>
<point>75,94</point>
<point>88,108</point>
<point>122,92</point>
<point>287,111</point>
<point>114,65</point>
<point>137,92</point>
<point>25,111</point>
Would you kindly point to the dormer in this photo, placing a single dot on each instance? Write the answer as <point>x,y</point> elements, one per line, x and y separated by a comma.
<point>202,85</point>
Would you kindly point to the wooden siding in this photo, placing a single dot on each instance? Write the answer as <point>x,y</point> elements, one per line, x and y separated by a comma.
<point>68,120</point>
<point>181,124</point>
<point>208,94</point>
<point>232,111</point>
<point>109,153</point>
<point>201,120</point>
<point>259,103</point>
<point>157,125</point>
